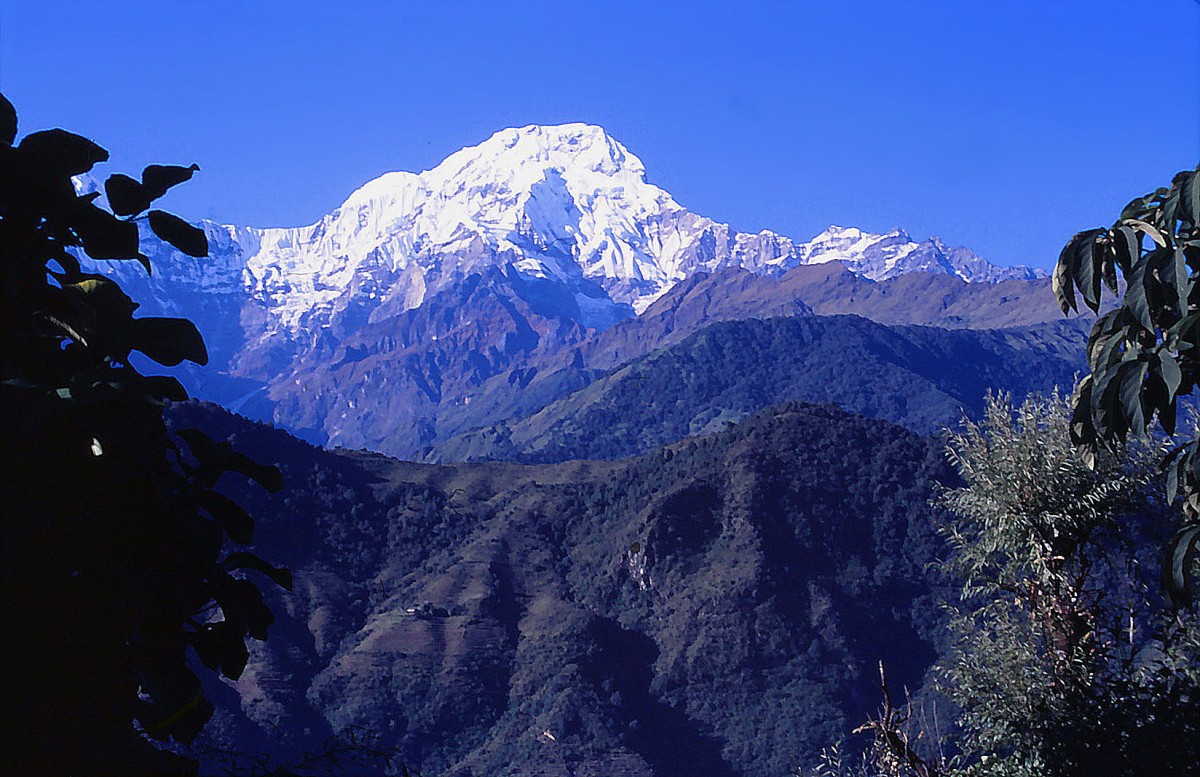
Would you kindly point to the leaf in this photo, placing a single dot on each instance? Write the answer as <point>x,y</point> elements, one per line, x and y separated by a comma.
<point>222,646</point>
<point>103,235</point>
<point>60,154</point>
<point>158,178</point>
<point>8,122</point>
<point>1181,560</point>
<point>104,297</point>
<point>187,238</point>
<point>166,387</point>
<point>243,560</point>
<point>242,603</point>
<point>1135,296</point>
<point>1127,247</point>
<point>1189,197</point>
<point>1062,281</point>
<point>1172,479</point>
<point>1086,273</point>
<point>1106,335</point>
<point>218,458</point>
<point>1169,369</point>
<point>1148,229</point>
<point>265,475</point>
<point>168,341</point>
<point>237,522</point>
<point>1167,416</point>
<point>1131,377</point>
<point>125,195</point>
<point>1179,282</point>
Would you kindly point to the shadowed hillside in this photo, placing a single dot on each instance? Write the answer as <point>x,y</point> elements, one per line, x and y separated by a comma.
<point>713,607</point>
<point>923,378</point>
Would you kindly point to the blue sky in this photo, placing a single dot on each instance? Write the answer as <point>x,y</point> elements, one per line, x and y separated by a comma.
<point>1002,126</point>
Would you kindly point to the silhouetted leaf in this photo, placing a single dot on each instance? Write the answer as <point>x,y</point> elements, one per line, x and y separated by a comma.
<point>187,238</point>
<point>244,560</point>
<point>168,341</point>
<point>126,196</point>
<point>243,605</point>
<point>104,297</point>
<point>237,522</point>
<point>166,387</point>
<point>265,475</point>
<point>222,646</point>
<point>104,236</point>
<point>61,154</point>
<point>8,122</point>
<point>157,179</point>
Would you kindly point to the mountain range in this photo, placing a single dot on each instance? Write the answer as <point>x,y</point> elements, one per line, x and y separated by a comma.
<point>599,485</point>
<point>516,271</point>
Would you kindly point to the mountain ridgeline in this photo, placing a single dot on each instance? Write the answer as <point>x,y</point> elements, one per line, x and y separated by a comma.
<point>516,272</point>
<point>924,378</point>
<point>716,606</point>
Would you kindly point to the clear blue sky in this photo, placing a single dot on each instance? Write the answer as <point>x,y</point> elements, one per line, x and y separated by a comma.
<point>1004,126</point>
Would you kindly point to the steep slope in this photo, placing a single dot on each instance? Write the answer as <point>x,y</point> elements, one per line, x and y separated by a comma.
<point>714,607</point>
<point>921,377</point>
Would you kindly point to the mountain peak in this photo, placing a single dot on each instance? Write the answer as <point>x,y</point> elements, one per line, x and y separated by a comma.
<point>564,203</point>
<point>573,150</point>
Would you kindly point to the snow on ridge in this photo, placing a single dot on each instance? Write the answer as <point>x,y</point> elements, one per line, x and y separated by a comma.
<point>566,202</point>
<point>880,257</point>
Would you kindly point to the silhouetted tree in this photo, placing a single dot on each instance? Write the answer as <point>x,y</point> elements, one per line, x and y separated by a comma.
<point>115,555</point>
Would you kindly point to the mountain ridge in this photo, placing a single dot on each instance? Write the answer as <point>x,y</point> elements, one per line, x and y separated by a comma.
<point>553,231</point>
<point>717,606</point>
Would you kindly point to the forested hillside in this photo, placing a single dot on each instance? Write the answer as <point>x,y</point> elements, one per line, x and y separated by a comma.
<point>923,378</point>
<point>716,606</point>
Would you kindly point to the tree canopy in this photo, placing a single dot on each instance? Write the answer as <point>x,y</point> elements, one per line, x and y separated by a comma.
<point>1144,354</point>
<point>118,549</point>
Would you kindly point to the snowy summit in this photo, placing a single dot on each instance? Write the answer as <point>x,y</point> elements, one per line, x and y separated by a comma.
<point>567,204</point>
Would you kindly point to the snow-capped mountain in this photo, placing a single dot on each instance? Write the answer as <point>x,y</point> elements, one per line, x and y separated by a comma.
<point>567,204</point>
<point>422,287</point>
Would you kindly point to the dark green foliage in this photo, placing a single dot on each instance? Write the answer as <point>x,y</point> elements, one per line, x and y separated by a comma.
<point>1064,660</point>
<point>1144,354</point>
<point>114,540</point>
<point>1063,663</point>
